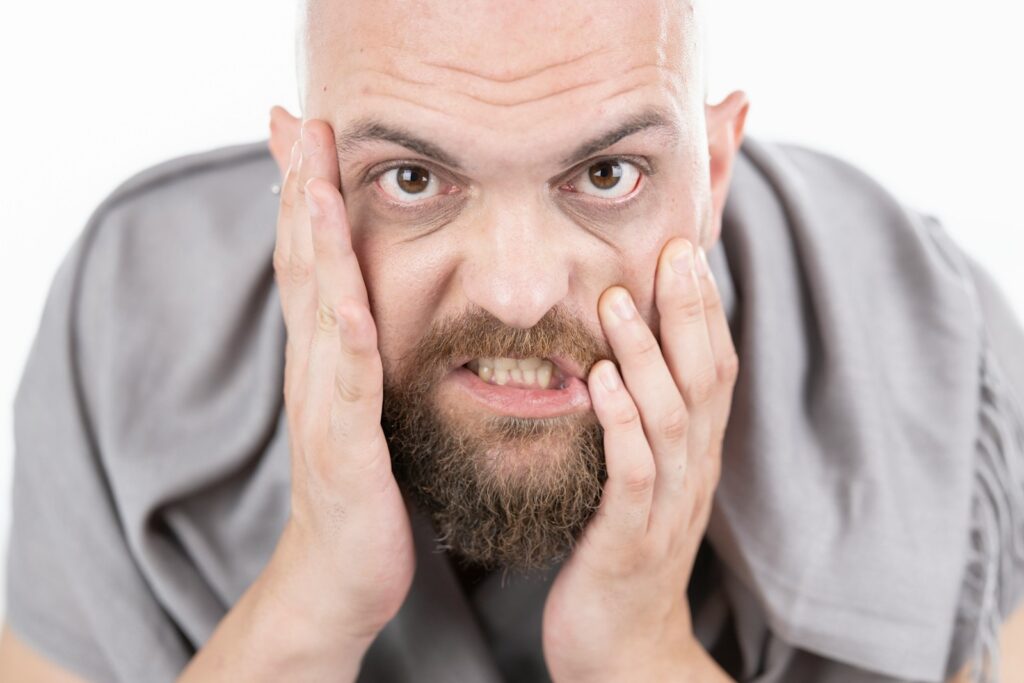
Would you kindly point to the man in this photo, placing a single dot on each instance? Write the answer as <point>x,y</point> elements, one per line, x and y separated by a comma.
<point>512,336</point>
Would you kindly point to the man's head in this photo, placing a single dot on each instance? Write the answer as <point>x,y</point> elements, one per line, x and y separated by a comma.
<point>503,164</point>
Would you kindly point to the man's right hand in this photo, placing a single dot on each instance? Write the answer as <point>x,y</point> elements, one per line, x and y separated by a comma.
<point>347,548</point>
<point>345,561</point>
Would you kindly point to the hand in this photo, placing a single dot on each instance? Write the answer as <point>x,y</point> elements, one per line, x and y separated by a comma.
<point>346,555</point>
<point>618,610</point>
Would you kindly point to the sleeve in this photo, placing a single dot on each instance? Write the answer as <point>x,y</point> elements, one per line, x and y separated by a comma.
<point>993,585</point>
<point>73,591</point>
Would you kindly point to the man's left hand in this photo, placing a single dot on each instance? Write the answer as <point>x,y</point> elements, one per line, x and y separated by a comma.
<point>618,610</point>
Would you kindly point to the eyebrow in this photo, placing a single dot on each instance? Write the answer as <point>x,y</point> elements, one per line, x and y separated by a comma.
<point>650,118</point>
<point>373,131</point>
<point>368,130</point>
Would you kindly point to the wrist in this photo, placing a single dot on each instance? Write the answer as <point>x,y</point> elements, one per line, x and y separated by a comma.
<point>299,639</point>
<point>292,612</point>
<point>269,635</point>
<point>305,591</point>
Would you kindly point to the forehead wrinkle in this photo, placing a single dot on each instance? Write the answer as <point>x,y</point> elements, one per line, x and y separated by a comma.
<point>379,78</point>
<point>459,68</point>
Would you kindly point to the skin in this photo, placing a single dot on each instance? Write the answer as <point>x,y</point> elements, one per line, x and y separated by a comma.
<point>476,82</point>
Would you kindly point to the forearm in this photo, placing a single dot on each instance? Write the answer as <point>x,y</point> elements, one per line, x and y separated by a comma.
<point>267,637</point>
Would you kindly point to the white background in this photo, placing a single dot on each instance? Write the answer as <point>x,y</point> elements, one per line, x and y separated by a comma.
<point>924,94</point>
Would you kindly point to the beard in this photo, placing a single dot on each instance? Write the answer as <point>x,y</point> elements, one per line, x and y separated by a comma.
<point>501,491</point>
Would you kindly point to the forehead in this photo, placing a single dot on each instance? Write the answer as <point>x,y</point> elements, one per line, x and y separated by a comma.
<point>524,70</point>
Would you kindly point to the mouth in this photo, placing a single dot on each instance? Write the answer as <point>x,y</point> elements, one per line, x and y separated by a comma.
<point>524,387</point>
<point>552,372</point>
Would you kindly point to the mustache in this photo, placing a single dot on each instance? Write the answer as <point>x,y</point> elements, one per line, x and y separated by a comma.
<point>475,333</point>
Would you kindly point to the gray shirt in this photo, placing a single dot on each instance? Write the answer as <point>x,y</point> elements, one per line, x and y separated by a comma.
<point>151,473</point>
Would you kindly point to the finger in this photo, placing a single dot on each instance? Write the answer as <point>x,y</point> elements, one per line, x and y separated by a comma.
<point>301,293</point>
<point>652,388</point>
<point>687,350</point>
<point>343,276</point>
<point>345,366</point>
<point>294,366</point>
<point>722,348</point>
<point>684,328</point>
<point>284,132</point>
<point>623,513</point>
<point>282,245</point>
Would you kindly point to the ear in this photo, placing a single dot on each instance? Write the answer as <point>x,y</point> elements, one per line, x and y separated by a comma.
<point>284,131</point>
<point>725,133</point>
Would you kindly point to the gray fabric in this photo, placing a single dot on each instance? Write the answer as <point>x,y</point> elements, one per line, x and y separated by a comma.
<point>867,528</point>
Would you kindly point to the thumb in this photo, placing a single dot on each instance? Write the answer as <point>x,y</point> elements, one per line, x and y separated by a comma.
<point>284,131</point>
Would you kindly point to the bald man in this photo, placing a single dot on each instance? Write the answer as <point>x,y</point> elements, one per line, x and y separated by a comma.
<point>486,287</point>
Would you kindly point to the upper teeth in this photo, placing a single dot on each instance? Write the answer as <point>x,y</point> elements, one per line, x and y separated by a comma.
<point>519,370</point>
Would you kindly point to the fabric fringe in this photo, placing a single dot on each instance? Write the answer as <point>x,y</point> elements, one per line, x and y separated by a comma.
<point>994,574</point>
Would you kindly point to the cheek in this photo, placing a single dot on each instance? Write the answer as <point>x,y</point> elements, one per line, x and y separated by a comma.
<point>638,257</point>
<point>405,285</point>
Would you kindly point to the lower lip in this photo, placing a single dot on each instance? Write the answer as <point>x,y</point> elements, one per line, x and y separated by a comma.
<point>572,398</point>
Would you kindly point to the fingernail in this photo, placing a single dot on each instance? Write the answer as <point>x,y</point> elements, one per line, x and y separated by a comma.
<point>622,304</point>
<point>312,205</point>
<point>702,262</point>
<point>682,261</point>
<point>609,378</point>
<point>309,146</point>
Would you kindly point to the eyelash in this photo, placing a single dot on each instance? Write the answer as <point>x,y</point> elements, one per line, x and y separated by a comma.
<point>614,205</point>
<point>620,203</point>
<point>374,174</point>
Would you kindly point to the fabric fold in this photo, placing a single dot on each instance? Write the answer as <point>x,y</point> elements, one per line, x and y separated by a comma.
<point>994,571</point>
<point>847,460</point>
<point>865,527</point>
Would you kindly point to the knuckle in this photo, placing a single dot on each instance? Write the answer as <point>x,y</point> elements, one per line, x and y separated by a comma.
<point>701,390</point>
<point>347,389</point>
<point>300,270</point>
<point>690,307</point>
<point>280,262</point>
<point>326,318</point>
<point>639,480</point>
<point>287,196</point>
<point>728,367</point>
<point>711,301</point>
<point>675,424</point>
<point>627,418</point>
<point>647,351</point>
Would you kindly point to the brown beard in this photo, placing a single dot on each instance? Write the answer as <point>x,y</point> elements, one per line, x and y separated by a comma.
<point>506,492</point>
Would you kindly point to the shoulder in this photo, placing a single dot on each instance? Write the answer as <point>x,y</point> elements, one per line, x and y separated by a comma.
<point>172,272</point>
<point>793,167</point>
<point>829,207</point>
<point>195,200</point>
<point>820,190</point>
<point>172,224</point>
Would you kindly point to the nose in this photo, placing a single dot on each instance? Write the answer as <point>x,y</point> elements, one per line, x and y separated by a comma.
<point>516,268</point>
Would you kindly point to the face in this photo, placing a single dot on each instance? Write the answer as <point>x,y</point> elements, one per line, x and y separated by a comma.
<point>502,165</point>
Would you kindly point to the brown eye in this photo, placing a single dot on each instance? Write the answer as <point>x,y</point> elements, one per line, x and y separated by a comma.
<point>605,175</point>
<point>608,179</point>
<point>409,184</point>
<point>413,179</point>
